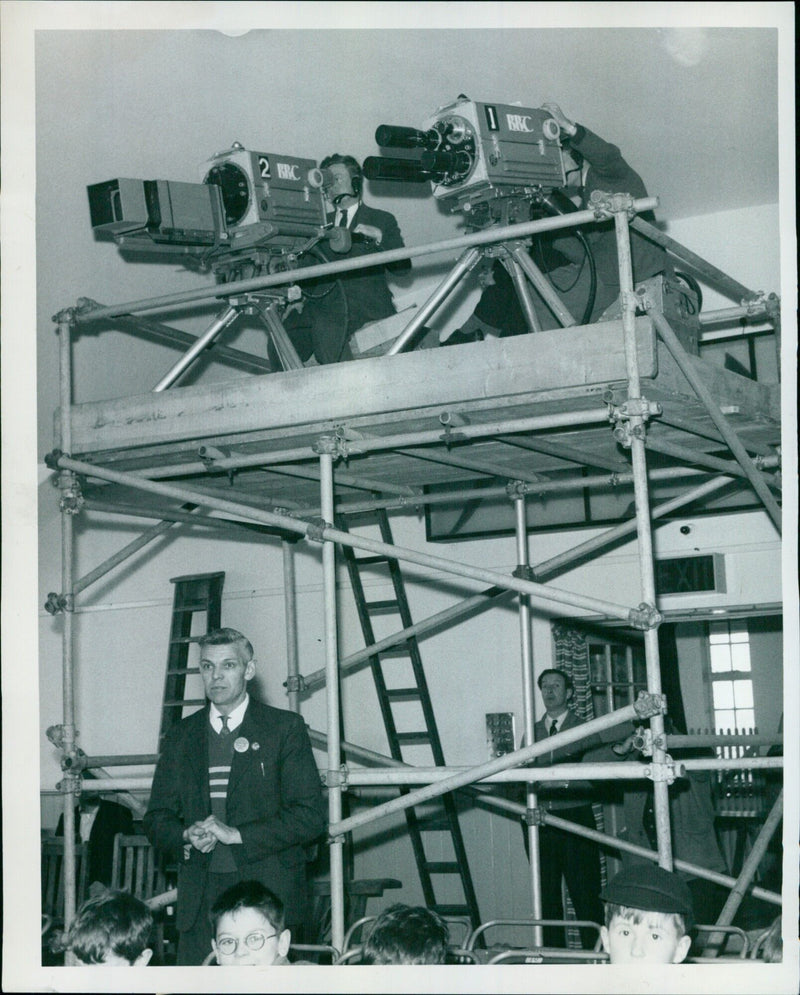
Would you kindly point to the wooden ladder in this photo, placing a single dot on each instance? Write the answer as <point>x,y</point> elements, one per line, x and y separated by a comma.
<point>194,594</point>
<point>438,826</point>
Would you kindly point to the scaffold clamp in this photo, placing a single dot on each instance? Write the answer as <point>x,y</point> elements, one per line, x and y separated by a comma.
<point>648,704</point>
<point>534,817</point>
<point>643,741</point>
<point>666,771</point>
<point>645,616</point>
<point>71,501</point>
<point>634,407</point>
<point>65,316</point>
<point>336,446</point>
<point>516,489</point>
<point>605,204</point>
<point>295,683</point>
<point>57,603</point>
<point>209,455</point>
<point>337,777</point>
<point>70,785</point>
<point>315,530</point>
<point>524,572</point>
<point>449,419</point>
<point>56,736</point>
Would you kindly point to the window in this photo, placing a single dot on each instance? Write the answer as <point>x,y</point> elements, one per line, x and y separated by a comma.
<point>739,792</point>
<point>617,674</point>
<point>731,677</point>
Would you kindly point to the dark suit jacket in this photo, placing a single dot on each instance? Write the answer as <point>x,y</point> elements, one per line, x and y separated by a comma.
<point>368,294</point>
<point>565,794</point>
<point>111,819</point>
<point>274,800</point>
<point>334,309</point>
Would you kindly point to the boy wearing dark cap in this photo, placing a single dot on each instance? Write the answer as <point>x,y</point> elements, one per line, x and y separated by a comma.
<point>648,912</point>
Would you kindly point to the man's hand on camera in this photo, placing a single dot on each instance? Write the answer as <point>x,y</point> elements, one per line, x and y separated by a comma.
<point>369,231</point>
<point>561,119</point>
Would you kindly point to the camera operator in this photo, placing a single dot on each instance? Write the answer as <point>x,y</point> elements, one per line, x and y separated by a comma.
<point>334,309</point>
<point>592,164</point>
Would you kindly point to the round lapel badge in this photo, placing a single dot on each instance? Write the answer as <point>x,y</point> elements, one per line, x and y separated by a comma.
<point>241,745</point>
<point>256,746</point>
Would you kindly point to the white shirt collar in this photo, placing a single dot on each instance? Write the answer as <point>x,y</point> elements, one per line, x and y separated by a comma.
<point>348,211</point>
<point>234,719</point>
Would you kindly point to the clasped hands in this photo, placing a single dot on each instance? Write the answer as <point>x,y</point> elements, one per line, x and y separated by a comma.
<point>204,834</point>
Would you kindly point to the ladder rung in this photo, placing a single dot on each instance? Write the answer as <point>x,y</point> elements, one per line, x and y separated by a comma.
<point>366,560</point>
<point>403,693</point>
<point>381,606</point>
<point>442,867</point>
<point>414,737</point>
<point>197,578</point>
<point>187,701</point>
<point>451,910</point>
<point>394,652</point>
<point>182,640</point>
<point>435,824</point>
<point>183,670</point>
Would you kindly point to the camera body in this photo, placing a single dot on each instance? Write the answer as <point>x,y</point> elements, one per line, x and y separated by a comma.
<point>474,153</point>
<point>246,201</point>
<point>509,148</point>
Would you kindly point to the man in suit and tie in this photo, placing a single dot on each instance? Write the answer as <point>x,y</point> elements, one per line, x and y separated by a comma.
<point>236,796</point>
<point>97,821</point>
<point>563,854</point>
<point>332,310</point>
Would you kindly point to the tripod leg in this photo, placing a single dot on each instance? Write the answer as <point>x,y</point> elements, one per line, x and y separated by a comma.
<point>287,354</point>
<point>461,268</point>
<point>521,287</point>
<point>220,322</point>
<point>540,281</point>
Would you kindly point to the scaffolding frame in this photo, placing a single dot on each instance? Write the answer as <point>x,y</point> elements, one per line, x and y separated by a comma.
<point>631,418</point>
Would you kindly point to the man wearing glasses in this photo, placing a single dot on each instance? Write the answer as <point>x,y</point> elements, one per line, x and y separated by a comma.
<point>236,796</point>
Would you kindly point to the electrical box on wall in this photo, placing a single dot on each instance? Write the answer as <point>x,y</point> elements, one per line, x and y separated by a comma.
<point>500,734</point>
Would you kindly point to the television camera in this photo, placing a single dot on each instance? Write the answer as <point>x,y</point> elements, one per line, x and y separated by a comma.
<point>253,212</point>
<point>490,161</point>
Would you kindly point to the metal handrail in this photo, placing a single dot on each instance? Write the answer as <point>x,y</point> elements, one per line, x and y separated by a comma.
<point>552,954</point>
<point>567,923</point>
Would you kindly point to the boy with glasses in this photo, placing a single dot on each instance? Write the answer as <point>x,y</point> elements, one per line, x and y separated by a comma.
<point>248,926</point>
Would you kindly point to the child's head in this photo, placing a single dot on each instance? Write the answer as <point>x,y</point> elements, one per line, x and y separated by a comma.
<point>648,915</point>
<point>405,934</point>
<point>247,920</point>
<point>113,928</point>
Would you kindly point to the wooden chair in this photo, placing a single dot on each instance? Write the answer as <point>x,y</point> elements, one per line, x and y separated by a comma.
<point>137,869</point>
<point>356,895</point>
<point>53,877</point>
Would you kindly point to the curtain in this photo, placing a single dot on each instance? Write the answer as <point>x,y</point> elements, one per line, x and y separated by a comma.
<point>572,656</point>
